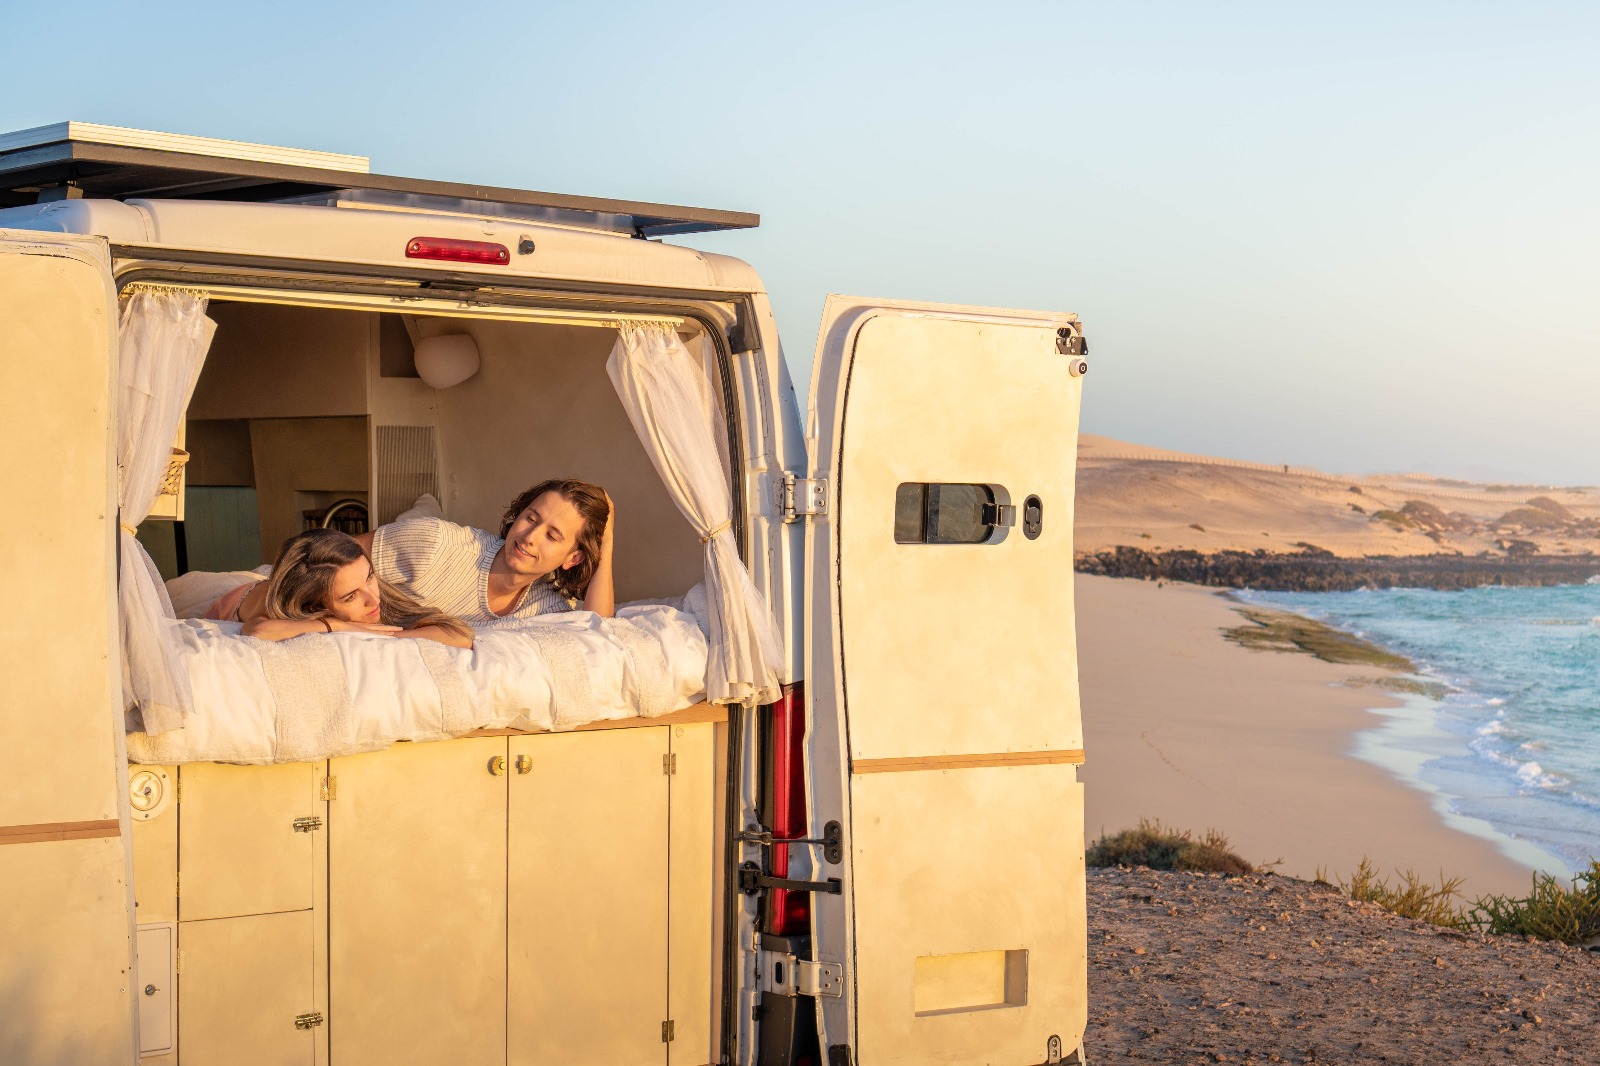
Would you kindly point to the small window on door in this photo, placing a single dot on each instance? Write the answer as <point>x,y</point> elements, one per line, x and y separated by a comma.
<point>934,513</point>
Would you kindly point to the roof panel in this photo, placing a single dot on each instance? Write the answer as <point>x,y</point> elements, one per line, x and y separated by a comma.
<point>80,161</point>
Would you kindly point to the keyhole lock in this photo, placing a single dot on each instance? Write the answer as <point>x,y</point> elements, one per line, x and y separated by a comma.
<point>150,990</point>
<point>1032,517</point>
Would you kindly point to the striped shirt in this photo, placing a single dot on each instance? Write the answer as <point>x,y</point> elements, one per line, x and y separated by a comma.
<point>446,566</point>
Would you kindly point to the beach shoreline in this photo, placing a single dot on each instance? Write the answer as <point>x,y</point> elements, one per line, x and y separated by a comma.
<point>1276,751</point>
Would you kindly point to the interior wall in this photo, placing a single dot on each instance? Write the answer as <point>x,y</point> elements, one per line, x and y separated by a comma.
<point>285,362</point>
<point>542,406</point>
<point>302,463</point>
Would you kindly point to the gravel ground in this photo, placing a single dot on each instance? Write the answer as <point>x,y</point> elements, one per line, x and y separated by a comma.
<point>1202,968</point>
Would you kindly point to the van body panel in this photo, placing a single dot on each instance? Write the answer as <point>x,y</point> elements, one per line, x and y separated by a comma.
<point>64,832</point>
<point>942,692</point>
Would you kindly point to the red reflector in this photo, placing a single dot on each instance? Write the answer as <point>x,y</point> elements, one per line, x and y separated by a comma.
<point>789,913</point>
<point>458,251</point>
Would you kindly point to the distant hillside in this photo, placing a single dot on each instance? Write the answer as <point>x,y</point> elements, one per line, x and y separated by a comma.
<point>1156,501</point>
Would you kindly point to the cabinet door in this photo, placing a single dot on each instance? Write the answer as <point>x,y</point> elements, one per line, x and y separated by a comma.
<point>242,984</point>
<point>239,849</point>
<point>587,966</point>
<point>694,945</point>
<point>417,905</point>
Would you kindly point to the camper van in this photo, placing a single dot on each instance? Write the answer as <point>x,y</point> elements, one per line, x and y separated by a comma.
<point>879,862</point>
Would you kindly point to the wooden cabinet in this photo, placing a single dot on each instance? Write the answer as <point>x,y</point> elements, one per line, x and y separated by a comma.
<point>588,897</point>
<point>494,900</point>
<point>417,905</point>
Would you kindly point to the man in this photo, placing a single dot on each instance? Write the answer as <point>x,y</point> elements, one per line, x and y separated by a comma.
<point>553,553</point>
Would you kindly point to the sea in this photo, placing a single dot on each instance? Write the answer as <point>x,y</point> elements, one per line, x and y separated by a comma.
<point>1511,750</point>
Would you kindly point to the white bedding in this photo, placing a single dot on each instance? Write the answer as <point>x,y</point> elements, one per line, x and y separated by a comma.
<point>322,695</point>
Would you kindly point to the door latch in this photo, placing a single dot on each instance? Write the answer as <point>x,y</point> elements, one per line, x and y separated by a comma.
<point>308,1021</point>
<point>307,825</point>
<point>832,840</point>
<point>752,880</point>
<point>798,497</point>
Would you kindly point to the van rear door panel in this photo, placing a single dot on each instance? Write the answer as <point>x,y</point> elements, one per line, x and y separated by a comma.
<point>943,720</point>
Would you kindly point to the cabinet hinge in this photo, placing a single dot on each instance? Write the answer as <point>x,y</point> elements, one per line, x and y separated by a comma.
<point>668,1031</point>
<point>308,1021</point>
<point>307,825</point>
<point>177,961</point>
<point>177,790</point>
<point>669,763</point>
<point>798,496</point>
<point>330,788</point>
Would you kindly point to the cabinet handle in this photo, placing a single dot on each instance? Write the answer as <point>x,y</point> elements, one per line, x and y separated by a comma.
<point>497,765</point>
<point>524,764</point>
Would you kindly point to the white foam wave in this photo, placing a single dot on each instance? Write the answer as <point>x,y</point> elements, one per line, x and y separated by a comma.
<point>1533,775</point>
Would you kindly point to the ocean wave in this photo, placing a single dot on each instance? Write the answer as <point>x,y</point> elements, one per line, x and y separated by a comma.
<point>1533,775</point>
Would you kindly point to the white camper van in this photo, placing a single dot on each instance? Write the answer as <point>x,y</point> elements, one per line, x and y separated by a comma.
<point>881,864</point>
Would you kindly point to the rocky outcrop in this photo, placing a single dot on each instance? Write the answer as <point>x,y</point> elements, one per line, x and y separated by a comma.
<point>1315,570</point>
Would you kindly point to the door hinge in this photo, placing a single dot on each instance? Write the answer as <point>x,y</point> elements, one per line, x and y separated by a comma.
<point>786,975</point>
<point>832,840</point>
<point>307,825</point>
<point>177,961</point>
<point>308,1021</point>
<point>330,788</point>
<point>177,790</point>
<point>669,763</point>
<point>798,496</point>
<point>669,1031</point>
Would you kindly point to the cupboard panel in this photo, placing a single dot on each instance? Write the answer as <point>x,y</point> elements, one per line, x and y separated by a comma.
<point>587,966</point>
<point>242,984</point>
<point>417,901</point>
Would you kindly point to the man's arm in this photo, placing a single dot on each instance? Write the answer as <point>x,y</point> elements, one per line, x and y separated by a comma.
<point>601,596</point>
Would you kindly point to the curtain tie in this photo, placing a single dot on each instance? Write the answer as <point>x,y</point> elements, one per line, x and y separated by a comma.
<point>128,529</point>
<point>718,531</point>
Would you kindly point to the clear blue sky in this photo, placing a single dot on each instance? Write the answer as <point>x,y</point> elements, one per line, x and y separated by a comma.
<point>1360,236</point>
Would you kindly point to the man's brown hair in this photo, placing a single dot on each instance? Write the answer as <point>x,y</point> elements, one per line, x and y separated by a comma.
<point>590,501</point>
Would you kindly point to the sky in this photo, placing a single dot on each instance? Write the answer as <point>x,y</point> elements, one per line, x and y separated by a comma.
<point>1357,236</point>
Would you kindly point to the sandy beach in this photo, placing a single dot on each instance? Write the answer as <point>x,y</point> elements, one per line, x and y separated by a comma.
<point>1186,727</point>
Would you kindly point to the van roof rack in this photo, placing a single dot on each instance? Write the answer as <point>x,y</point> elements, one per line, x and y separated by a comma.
<point>71,160</point>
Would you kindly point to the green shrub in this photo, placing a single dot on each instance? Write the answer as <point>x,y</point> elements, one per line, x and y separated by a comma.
<point>1166,849</point>
<point>1549,912</point>
<point>1409,897</point>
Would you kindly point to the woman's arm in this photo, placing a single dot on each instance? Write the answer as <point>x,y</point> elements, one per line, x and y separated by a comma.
<point>601,596</point>
<point>439,634</point>
<point>289,628</point>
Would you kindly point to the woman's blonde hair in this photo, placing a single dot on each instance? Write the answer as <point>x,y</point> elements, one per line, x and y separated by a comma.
<point>302,580</point>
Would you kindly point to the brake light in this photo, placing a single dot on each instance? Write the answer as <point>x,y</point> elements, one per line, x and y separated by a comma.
<point>788,913</point>
<point>454,251</point>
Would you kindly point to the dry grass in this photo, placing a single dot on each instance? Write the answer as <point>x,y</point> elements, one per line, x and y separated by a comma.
<point>1152,845</point>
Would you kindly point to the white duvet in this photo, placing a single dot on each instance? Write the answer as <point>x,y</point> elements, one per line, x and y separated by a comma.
<point>323,695</point>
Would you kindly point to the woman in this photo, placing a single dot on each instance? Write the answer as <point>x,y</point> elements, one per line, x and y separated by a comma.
<point>322,582</point>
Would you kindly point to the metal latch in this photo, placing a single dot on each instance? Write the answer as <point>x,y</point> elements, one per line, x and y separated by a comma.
<point>788,976</point>
<point>798,496</point>
<point>999,514</point>
<point>308,1021</point>
<point>752,880</point>
<point>307,825</point>
<point>832,840</point>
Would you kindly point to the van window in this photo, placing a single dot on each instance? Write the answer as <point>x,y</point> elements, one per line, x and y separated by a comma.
<point>934,513</point>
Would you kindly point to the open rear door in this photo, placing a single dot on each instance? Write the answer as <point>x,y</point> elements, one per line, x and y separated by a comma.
<point>942,685</point>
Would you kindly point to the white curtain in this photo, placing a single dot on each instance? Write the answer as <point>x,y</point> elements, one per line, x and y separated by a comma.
<point>669,400</point>
<point>162,340</point>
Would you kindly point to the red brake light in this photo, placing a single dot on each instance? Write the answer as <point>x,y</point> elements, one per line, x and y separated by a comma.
<point>788,913</point>
<point>455,251</point>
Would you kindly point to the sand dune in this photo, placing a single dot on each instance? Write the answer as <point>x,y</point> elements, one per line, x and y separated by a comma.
<point>1159,501</point>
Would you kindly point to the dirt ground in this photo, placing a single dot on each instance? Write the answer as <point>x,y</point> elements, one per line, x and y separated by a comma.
<point>1202,968</point>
